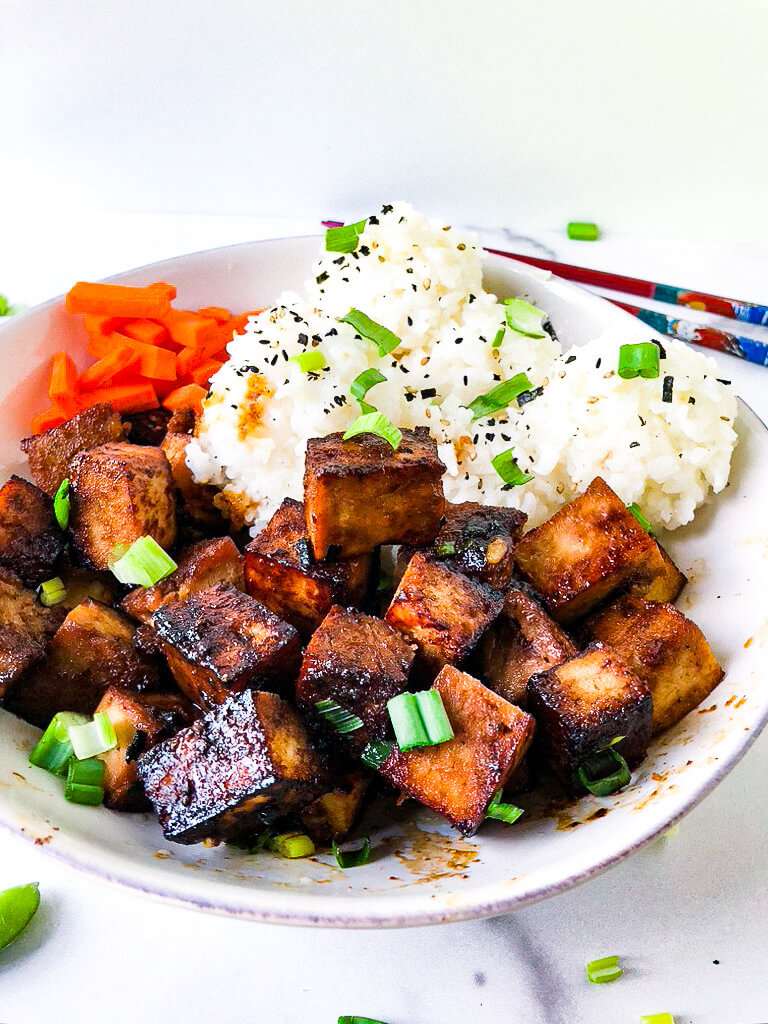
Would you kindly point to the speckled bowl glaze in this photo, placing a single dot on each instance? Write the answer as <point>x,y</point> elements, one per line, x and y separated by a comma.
<point>421,873</point>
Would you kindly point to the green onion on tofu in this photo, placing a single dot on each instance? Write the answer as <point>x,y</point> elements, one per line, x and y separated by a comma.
<point>91,738</point>
<point>376,753</point>
<point>374,423</point>
<point>17,908</point>
<point>640,360</point>
<point>419,719</point>
<point>637,512</point>
<point>52,592</point>
<point>343,721</point>
<point>61,503</point>
<point>344,238</point>
<point>499,397</point>
<point>352,858</point>
<point>144,564</point>
<point>524,318</point>
<point>362,384</point>
<point>384,340</point>
<point>53,750</point>
<point>606,969</point>
<point>605,772</point>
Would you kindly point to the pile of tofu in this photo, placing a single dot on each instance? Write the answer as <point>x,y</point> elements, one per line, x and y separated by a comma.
<point>545,646</point>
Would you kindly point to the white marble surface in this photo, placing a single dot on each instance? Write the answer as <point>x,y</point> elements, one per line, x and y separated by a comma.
<point>689,915</point>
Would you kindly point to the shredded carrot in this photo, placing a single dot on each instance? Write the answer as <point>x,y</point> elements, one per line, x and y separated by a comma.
<point>148,331</point>
<point>217,313</point>
<point>54,416</point>
<point>120,300</point>
<point>203,373</point>
<point>123,397</point>
<point>103,371</point>
<point>191,395</point>
<point>63,383</point>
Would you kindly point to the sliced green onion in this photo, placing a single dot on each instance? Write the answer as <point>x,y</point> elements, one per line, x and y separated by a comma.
<point>17,908</point>
<point>96,737</point>
<point>637,512</point>
<point>53,750</point>
<point>502,812</point>
<point>384,340</point>
<point>352,858</point>
<point>374,423</point>
<point>345,238</point>
<point>376,753</point>
<point>419,719</point>
<point>499,397</point>
<point>359,1020</point>
<point>583,231</point>
<point>342,720</point>
<point>445,548</point>
<point>308,362</point>
<point>253,844</point>
<point>524,318</point>
<point>496,343</point>
<point>362,384</point>
<point>605,772</point>
<point>508,469</point>
<point>604,970</point>
<point>61,503</point>
<point>84,783</point>
<point>291,845</point>
<point>641,360</point>
<point>143,564</point>
<point>657,1018</point>
<point>52,592</point>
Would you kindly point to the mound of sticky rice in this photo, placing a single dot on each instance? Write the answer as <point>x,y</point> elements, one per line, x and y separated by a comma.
<point>422,280</point>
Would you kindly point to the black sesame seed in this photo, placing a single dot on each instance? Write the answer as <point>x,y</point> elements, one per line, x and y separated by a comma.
<point>597,364</point>
<point>570,359</point>
<point>410,321</point>
<point>721,381</point>
<point>471,298</point>
<point>428,392</point>
<point>373,220</point>
<point>387,208</point>
<point>691,400</point>
<point>466,380</point>
<point>634,444</point>
<point>364,250</point>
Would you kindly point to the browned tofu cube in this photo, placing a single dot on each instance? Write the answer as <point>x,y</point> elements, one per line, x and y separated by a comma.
<point>443,612</point>
<point>30,538</point>
<point>665,649</point>
<point>92,650</point>
<point>120,492</point>
<point>332,815</point>
<point>590,548</point>
<point>200,566</point>
<point>220,641</point>
<point>196,499</point>
<point>26,629</point>
<point>664,585</point>
<point>522,641</point>
<point>50,454</point>
<point>458,778</point>
<point>148,427</point>
<point>583,705</point>
<point>359,662</point>
<point>234,771</point>
<point>82,584</point>
<point>281,572</point>
<point>360,493</point>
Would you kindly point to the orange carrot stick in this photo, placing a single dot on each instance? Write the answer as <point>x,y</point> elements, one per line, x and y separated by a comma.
<point>192,331</point>
<point>191,395</point>
<point>203,373</point>
<point>123,397</point>
<point>187,360</point>
<point>103,371</point>
<point>120,300</point>
<point>102,324</point>
<point>63,382</point>
<point>54,416</point>
<point>217,313</point>
<point>148,331</point>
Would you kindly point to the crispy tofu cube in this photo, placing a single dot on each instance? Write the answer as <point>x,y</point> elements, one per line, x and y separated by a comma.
<point>82,584</point>
<point>234,771</point>
<point>148,427</point>
<point>120,492</point>
<point>26,630</point>
<point>590,548</point>
<point>220,641</point>
<point>50,454</point>
<point>359,662</point>
<point>194,498</point>
<point>281,572</point>
<point>665,649</point>
<point>523,640</point>
<point>360,493</point>
<point>584,704</point>
<point>92,650</point>
<point>665,585</point>
<point>30,538</point>
<point>332,815</point>
<point>200,566</point>
<point>458,778</point>
<point>443,612</point>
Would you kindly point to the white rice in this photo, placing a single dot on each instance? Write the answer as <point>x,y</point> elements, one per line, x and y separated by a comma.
<point>423,281</point>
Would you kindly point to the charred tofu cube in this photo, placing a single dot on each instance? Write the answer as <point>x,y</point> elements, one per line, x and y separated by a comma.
<point>50,454</point>
<point>148,427</point>
<point>194,498</point>
<point>459,777</point>
<point>361,493</point>
<point>359,662</point>
<point>200,566</point>
<point>281,572</point>
<point>443,612</point>
<point>665,649</point>
<point>581,706</point>
<point>120,492</point>
<point>523,640</point>
<point>234,771</point>
<point>220,641</point>
<point>92,650</point>
<point>332,815</point>
<point>586,551</point>
<point>26,629</point>
<point>30,538</point>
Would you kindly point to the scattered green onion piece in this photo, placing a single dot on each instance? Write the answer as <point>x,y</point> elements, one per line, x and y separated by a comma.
<point>376,753</point>
<point>508,469</point>
<point>343,721</point>
<point>499,397</point>
<point>362,384</point>
<point>359,1020</point>
<point>3,306</point>
<point>599,972</point>
<point>496,343</point>
<point>53,750</point>
<point>657,1018</point>
<point>637,512</point>
<point>291,845</point>
<point>384,340</point>
<point>352,858</point>
<point>345,238</point>
<point>641,359</point>
<point>445,548</point>
<point>503,812</point>
<point>143,564</point>
<point>385,583</point>
<point>419,719</point>
<point>310,361</point>
<point>61,504</point>
<point>92,738</point>
<point>374,423</point>
<point>253,844</point>
<point>84,782</point>
<point>52,592</point>
<point>524,318</point>
<point>605,772</point>
<point>17,908</point>
<point>583,231</point>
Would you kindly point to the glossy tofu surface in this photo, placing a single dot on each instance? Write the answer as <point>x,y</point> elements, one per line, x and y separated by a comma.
<point>27,627</point>
<point>30,538</point>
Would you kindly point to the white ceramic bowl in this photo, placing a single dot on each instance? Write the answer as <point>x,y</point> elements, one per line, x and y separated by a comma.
<point>422,872</point>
